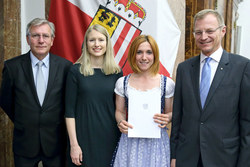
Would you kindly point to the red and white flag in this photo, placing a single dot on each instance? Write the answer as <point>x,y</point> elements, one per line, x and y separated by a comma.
<point>124,20</point>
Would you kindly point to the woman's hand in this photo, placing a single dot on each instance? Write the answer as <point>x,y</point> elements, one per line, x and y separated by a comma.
<point>163,119</point>
<point>76,155</point>
<point>123,126</point>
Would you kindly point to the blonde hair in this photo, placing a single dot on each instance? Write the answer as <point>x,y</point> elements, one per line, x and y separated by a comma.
<point>154,69</point>
<point>109,64</point>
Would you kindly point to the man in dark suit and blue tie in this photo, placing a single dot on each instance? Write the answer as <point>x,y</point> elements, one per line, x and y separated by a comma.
<point>211,112</point>
<point>32,95</point>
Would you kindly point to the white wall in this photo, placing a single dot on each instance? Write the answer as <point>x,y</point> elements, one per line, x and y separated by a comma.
<point>244,22</point>
<point>30,9</point>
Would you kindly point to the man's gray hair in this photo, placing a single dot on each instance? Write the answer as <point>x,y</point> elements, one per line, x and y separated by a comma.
<point>38,22</point>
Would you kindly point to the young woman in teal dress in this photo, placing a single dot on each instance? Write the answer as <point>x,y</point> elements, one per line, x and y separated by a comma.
<point>90,106</point>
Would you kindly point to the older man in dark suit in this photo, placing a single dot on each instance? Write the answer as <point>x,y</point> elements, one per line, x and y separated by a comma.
<point>32,95</point>
<point>211,112</point>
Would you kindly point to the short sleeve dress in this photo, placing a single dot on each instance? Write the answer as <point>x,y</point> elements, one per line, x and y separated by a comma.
<point>143,152</point>
<point>91,101</point>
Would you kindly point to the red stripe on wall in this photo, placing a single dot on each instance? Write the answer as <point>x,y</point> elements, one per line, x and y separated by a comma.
<point>121,37</point>
<point>124,64</point>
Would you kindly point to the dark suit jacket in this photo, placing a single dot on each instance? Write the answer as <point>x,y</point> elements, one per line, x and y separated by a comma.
<point>220,132</point>
<point>35,127</point>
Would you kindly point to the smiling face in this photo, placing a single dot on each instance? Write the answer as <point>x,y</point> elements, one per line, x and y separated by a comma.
<point>209,40</point>
<point>144,56</point>
<point>40,40</point>
<point>96,43</point>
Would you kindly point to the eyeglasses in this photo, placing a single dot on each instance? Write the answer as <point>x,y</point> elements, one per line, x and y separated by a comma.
<point>198,33</point>
<point>38,36</point>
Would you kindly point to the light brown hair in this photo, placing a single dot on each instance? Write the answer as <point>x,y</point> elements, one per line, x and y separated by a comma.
<point>154,69</point>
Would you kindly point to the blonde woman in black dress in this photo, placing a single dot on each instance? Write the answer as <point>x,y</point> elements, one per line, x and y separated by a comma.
<point>90,106</point>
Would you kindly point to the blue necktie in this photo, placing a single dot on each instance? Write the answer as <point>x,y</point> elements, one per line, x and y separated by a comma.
<point>40,83</point>
<point>205,81</point>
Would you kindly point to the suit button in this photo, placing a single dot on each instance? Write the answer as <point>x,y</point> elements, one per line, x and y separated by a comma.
<point>202,123</point>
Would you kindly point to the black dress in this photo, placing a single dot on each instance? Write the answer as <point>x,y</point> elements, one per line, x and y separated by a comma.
<point>91,101</point>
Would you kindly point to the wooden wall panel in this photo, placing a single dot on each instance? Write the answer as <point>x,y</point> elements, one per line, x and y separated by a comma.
<point>10,46</point>
<point>1,38</point>
<point>47,6</point>
<point>228,10</point>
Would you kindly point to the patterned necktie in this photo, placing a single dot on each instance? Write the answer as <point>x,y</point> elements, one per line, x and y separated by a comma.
<point>205,81</point>
<point>40,83</point>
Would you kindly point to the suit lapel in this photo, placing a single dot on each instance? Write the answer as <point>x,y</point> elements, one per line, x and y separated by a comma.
<point>53,67</point>
<point>28,74</point>
<point>195,74</point>
<point>218,77</point>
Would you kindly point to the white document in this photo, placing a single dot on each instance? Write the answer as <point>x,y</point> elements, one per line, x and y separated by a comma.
<point>141,109</point>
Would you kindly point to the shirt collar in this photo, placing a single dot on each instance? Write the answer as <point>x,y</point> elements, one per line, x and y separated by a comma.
<point>34,60</point>
<point>216,56</point>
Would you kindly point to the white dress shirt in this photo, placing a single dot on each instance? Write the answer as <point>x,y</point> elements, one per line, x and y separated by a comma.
<point>214,62</point>
<point>45,67</point>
